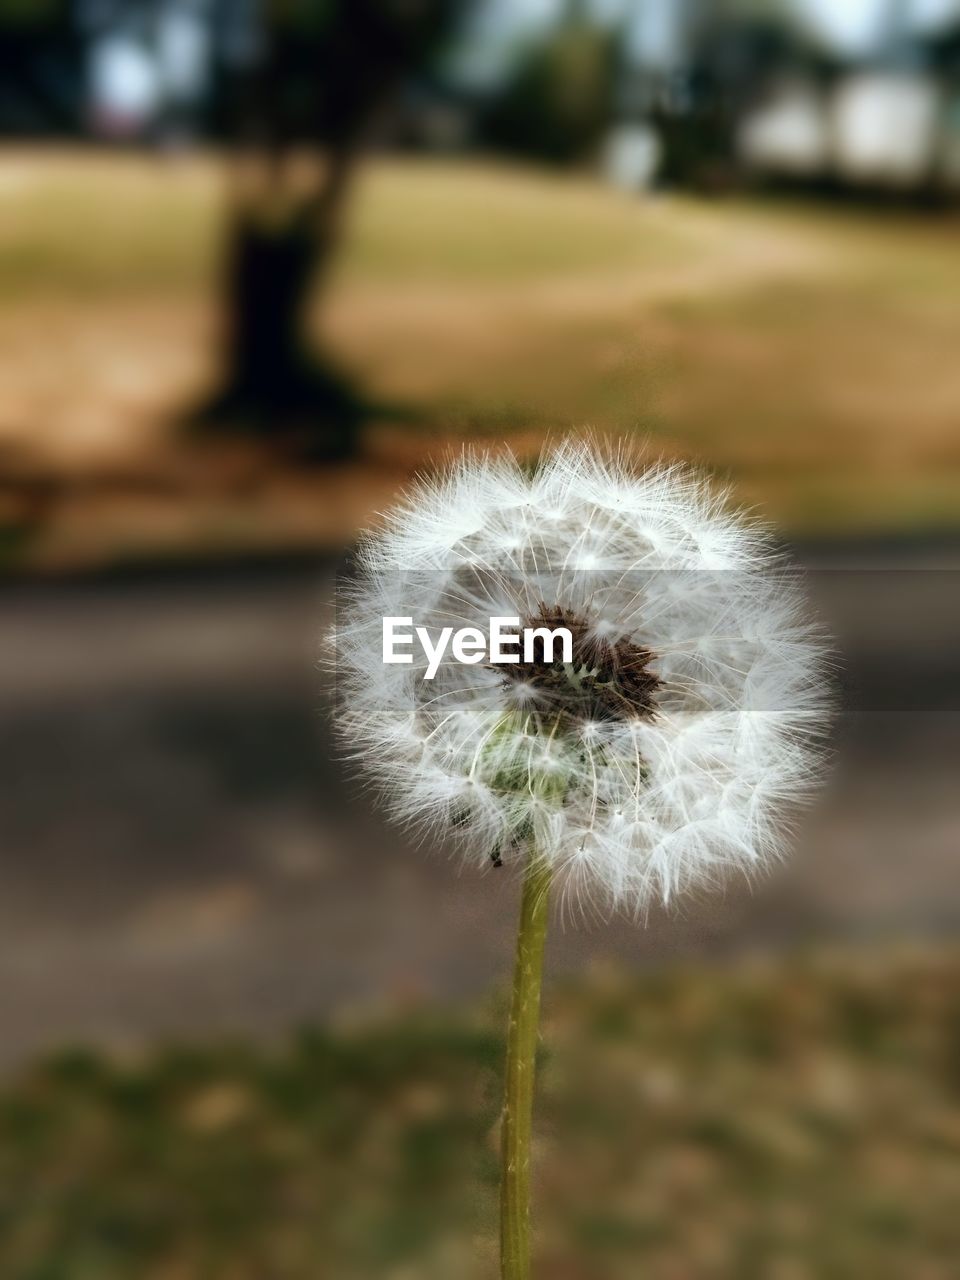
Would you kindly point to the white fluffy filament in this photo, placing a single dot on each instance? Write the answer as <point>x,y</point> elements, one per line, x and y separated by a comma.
<point>626,806</point>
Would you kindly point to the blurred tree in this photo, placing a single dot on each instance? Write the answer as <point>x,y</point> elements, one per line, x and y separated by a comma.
<point>560,99</point>
<point>40,68</point>
<point>42,13</point>
<point>319,77</point>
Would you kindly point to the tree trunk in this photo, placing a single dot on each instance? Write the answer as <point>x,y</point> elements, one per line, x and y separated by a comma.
<point>285,230</point>
<point>298,117</point>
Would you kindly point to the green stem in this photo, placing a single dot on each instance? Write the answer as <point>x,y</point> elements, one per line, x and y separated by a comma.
<point>520,1070</point>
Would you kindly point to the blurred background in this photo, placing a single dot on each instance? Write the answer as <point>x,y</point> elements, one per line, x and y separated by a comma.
<point>259,264</point>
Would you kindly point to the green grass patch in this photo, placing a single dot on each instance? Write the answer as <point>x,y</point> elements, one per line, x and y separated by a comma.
<point>802,1118</point>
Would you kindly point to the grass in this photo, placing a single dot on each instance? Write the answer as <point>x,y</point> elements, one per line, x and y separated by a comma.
<point>799,1120</point>
<point>86,228</point>
<point>804,353</point>
<point>101,226</point>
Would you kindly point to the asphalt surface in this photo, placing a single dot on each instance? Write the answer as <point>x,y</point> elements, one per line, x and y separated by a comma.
<point>181,852</point>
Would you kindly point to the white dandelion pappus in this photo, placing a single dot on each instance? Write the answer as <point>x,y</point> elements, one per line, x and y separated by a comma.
<point>675,745</point>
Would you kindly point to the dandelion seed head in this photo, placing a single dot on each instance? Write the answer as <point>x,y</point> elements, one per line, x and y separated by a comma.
<point>673,746</point>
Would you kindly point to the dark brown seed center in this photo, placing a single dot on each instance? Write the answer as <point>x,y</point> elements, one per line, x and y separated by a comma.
<point>608,679</point>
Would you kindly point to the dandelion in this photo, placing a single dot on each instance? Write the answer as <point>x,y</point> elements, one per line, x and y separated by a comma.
<point>591,671</point>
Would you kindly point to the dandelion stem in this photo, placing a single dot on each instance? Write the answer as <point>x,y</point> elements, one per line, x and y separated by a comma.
<point>520,1070</point>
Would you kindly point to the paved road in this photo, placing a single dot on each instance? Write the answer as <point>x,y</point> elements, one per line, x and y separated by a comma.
<point>181,852</point>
